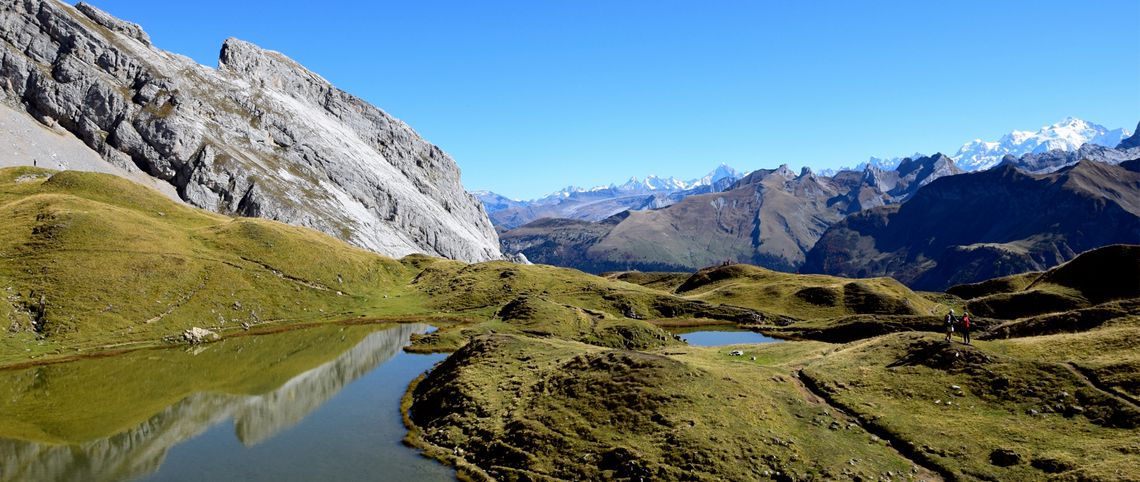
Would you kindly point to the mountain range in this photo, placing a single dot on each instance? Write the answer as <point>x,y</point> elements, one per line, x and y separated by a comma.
<point>600,202</point>
<point>1048,149</point>
<point>259,135</point>
<point>771,218</point>
<point>844,224</point>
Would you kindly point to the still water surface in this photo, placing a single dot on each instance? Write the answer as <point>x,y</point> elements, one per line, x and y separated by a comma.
<point>720,337</point>
<point>315,404</point>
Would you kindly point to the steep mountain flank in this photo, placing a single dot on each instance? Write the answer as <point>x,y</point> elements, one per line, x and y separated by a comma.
<point>968,228</point>
<point>259,136</point>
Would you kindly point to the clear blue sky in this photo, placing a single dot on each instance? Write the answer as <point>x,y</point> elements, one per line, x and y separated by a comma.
<point>530,96</point>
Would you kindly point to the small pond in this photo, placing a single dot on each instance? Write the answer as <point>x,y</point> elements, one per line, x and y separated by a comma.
<point>314,404</point>
<point>719,336</point>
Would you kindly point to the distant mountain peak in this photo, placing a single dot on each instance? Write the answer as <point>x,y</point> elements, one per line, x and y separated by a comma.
<point>1067,135</point>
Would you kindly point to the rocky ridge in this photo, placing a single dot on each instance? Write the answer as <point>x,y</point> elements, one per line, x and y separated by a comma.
<point>229,139</point>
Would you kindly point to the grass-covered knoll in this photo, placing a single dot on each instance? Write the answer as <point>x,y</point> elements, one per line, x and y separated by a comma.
<point>537,316</point>
<point>91,260</point>
<point>1005,284</point>
<point>520,408</point>
<point>804,297</point>
<point>996,410</point>
<point>1097,276</point>
<point>668,282</point>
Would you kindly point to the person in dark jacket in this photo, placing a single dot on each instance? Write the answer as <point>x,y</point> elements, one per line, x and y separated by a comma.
<point>950,325</point>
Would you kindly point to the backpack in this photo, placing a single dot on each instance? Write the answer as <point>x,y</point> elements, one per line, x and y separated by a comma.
<point>966,321</point>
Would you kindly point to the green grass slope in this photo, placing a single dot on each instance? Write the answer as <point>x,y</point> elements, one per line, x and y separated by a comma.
<point>94,260</point>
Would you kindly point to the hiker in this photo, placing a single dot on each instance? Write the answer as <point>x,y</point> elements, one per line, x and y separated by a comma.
<point>966,328</point>
<point>949,325</point>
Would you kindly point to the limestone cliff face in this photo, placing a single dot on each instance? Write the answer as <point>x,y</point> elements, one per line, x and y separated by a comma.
<point>258,136</point>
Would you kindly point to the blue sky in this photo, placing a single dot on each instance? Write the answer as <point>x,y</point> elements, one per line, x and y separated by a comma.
<point>531,96</point>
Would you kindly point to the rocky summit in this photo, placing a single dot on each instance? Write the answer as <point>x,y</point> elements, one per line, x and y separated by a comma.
<point>258,136</point>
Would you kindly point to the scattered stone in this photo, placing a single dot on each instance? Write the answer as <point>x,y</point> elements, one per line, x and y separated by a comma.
<point>955,387</point>
<point>1051,465</point>
<point>1004,457</point>
<point>237,305</point>
<point>197,335</point>
<point>736,353</point>
<point>1073,410</point>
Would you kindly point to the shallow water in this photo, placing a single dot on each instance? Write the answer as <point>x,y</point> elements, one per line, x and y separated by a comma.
<point>720,337</point>
<point>315,404</point>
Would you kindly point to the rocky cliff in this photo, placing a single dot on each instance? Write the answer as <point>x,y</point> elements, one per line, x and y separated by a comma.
<point>258,136</point>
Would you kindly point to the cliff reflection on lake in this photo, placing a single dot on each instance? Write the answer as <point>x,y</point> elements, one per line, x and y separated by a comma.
<point>116,418</point>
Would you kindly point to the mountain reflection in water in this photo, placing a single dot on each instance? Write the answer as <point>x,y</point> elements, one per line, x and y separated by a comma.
<point>142,449</point>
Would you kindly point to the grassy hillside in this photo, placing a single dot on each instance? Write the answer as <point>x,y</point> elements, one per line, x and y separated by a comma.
<point>1004,410</point>
<point>93,260</point>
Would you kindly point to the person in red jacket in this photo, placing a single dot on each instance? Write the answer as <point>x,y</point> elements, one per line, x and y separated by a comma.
<point>966,328</point>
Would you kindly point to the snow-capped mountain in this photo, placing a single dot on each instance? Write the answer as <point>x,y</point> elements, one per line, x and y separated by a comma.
<point>600,202</point>
<point>650,184</point>
<point>1067,135</point>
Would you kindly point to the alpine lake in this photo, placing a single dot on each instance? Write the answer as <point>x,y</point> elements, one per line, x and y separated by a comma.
<point>319,403</point>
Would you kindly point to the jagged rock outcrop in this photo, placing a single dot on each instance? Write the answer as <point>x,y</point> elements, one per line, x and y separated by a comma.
<point>258,136</point>
<point>973,227</point>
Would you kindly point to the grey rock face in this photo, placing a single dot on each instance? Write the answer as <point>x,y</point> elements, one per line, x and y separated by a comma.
<point>259,136</point>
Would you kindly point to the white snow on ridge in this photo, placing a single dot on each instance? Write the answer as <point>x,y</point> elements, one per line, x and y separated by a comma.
<point>1068,135</point>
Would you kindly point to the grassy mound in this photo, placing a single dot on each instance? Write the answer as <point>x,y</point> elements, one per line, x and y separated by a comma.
<point>804,297</point>
<point>515,408</point>
<point>668,282</point>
